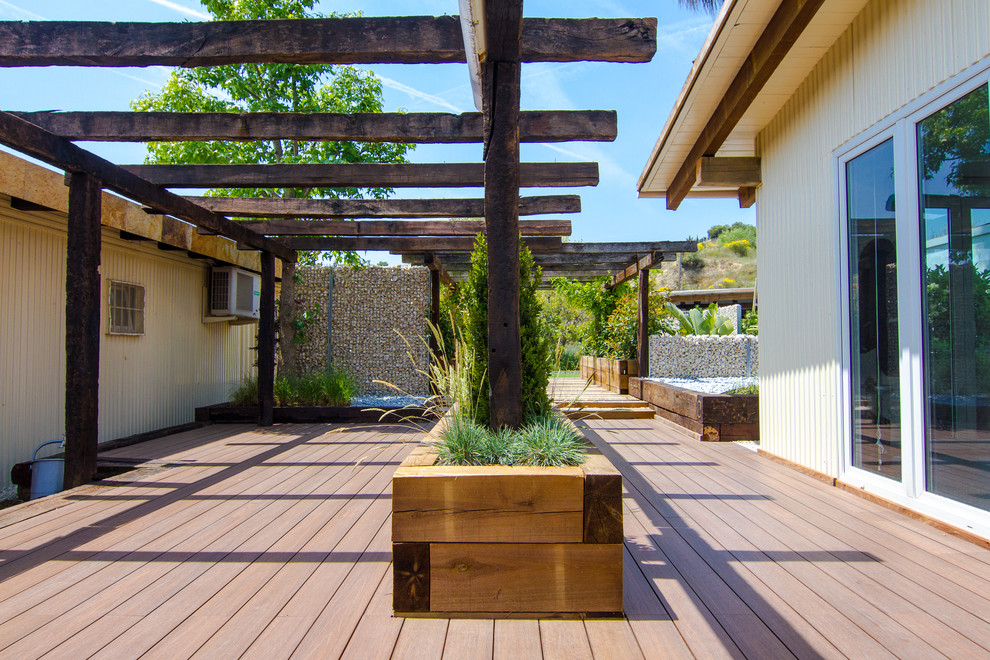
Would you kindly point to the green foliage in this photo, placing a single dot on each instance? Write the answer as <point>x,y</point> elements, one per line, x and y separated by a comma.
<point>534,337</point>
<point>476,334</point>
<point>957,134</point>
<point>701,322</point>
<point>620,334</point>
<point>739,247</point>
<point>302,322</point>
<point>750,324</point>
<point>692,261</point>
<point>549,440</point>
<point>272,88</point>
<point>739,231</point>
<point>746,389</point>
<point>707,6</point>
<point>597,303</point>
<point>546,440</point>
<point>939,306</point>
<point>568,357</point>
<point>333,387</point>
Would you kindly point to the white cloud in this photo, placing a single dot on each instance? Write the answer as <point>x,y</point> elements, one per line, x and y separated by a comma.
<point>182,9</point>
<point>415,93</point>
<point>24,13</point>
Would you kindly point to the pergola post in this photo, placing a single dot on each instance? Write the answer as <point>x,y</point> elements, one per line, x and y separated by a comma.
<point>501,75</point>
<point>266,341</point>
<point>435,323</point>
<point>82,329</point>
<point>643,343</point>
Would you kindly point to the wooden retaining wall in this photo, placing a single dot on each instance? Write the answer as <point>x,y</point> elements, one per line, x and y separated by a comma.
<point>608,373</point>
<point>714,417</point>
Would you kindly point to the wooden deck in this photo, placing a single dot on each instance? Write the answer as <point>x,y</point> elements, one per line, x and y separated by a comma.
<point>237,542</point>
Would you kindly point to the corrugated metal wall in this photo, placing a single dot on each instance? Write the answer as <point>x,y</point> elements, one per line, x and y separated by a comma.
<point>895,51</point>
<point>146,382</point>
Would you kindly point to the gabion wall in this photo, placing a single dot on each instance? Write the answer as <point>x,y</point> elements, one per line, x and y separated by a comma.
<point>704,356</point>
<point>369,309</point>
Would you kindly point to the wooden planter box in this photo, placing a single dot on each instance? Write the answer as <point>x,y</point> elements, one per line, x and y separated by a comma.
<point>502,541</point>
<point>610,374</point>
<point>714,417</point>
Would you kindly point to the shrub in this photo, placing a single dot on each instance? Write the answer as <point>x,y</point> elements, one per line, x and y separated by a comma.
<point>545,440</point>
<point>534,337</point>
<point>692,261</point>
<point>750,324</point>
<point>333,387</point>
<point>739,231</point>
<point>738,247</point>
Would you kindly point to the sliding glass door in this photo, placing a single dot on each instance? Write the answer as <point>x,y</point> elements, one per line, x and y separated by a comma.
<point>954,186</point>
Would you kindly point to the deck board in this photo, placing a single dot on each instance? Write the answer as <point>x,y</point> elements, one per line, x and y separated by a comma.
<point>235,541</point>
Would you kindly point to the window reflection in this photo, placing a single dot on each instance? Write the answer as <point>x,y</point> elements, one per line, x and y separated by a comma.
<point>876,432</point>
<point>954,166</point>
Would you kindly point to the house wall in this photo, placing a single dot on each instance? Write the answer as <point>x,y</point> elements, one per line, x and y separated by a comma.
<point>895,51</point>
<point>146,382</point>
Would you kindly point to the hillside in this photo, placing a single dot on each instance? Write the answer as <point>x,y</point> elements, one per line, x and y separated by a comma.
<point>726,260</point>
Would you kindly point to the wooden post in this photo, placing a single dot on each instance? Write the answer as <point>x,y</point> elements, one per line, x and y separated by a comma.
<point>266,340</point>
<point>82,329</point>
<point>500,89</point>
<point>435,321</point>
<point>643,345</point>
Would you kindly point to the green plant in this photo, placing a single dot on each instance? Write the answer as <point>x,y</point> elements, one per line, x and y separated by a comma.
<point>701,322</point>
<point>534,337</point>
<point>750,323</point>
<point>550,440</point>
<point>620,334</point>
<point>333,387</point>
<point>461,442</point>
<point>692,261</point>
<point>746,389</point>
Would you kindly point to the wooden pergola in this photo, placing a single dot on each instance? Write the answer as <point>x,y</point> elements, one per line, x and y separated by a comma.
<point>499,41</point>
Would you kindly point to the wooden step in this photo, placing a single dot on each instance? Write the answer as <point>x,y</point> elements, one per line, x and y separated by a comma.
<point>677,428</point>
<point>582,403</point>
<point>609,413</point>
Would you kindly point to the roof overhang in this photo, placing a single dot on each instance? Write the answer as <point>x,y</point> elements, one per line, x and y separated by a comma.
<point>739,42</point>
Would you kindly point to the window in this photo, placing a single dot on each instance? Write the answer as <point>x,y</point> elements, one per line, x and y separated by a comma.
<point>126,308</point>
<point>876,432</point>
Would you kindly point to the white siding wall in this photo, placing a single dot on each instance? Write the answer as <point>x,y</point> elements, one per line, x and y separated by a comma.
<point>895,51</point>
<point>146,382</point>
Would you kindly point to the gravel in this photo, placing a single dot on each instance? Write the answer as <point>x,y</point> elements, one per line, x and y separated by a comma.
<point>385,401</point>
<point>709,385</point>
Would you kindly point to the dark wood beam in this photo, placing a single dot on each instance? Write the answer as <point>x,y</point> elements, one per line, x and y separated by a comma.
<point>59,152</point>
<point>630,248</point>
<point>747,197</point>
<point>500,84</point>
<point>643,326</point>
<point>359,175</point>
<point>357,40</point>
<point>280,207</point>
<point>82,329</point>
<point>19,204</point>
<point>399,227</point>
<point>400,244</point>
<point>423,127</point>
<point>433,262</point>
<point>644,263</point>
<point>728,172</point>
<point>783,30</point>
<point>609,261</point>
<point>266,341</point>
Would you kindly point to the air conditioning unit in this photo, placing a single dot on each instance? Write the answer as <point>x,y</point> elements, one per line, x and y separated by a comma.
<point>235,292</point>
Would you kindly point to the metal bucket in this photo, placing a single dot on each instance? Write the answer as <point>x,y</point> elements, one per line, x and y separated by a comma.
<point>46,473</point>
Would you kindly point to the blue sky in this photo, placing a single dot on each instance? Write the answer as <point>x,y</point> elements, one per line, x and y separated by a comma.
<point>643,95</point>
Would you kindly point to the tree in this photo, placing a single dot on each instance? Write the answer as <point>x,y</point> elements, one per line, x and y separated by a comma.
<point>273,88</point>
<point>710,6</point>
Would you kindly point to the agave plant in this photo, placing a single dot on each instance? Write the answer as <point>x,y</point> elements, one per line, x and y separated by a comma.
<point>702,322</point>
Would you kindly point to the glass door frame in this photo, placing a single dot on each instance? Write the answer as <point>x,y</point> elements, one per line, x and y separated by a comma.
<point>900,126</point>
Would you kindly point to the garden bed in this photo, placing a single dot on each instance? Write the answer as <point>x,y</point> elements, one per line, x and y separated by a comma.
<point>501,541</point>
<point>611,374</point>
<point>227,413</point>
<point>714,417</point>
